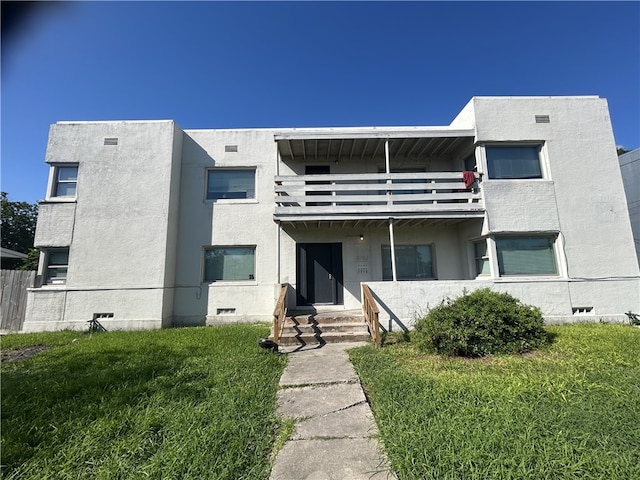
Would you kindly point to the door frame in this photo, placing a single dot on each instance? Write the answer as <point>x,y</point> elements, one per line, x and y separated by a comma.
<point>305,297</point>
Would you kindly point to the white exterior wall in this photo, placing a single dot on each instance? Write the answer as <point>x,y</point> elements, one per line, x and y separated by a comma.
<point>630,169</point>
<point>118,227</point>
<point>244,222</point>
<point>581,197</point>
<point>583,179</point>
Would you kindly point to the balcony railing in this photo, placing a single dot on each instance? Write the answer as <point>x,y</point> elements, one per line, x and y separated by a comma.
<point>375,195</point>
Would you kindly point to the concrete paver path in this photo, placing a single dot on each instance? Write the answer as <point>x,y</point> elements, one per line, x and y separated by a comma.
<point>335,433</point>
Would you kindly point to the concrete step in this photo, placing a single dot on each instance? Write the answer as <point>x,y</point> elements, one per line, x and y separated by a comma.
<point>323,319</point>
<point>330,337</point>
<point>304,328</point>
<point>294,329</point>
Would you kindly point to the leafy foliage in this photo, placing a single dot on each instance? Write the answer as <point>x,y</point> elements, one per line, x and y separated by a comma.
<point>481,323</point>
<point>18,225</point>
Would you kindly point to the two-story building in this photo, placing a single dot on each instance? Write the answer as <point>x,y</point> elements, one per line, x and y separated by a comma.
<point>146,225</point>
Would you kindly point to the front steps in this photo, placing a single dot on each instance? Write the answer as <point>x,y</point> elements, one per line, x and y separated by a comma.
<point>303,328</point>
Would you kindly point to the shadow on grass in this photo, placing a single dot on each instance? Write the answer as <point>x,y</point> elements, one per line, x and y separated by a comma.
<point>95,400</point>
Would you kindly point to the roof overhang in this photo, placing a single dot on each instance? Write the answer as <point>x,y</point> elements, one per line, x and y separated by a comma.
<point>337,144</point>
<point>345,133</point>
<point>8,253</point>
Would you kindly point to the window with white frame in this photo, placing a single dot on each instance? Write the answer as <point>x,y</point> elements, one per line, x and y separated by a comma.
<point>526,255</point>
<point>481,258</point>
<point>65,181</point>
<point>413,262</point>
<point>513,161</point>
<point>228,183</point>
<point>56,263</point>
<point>229,263</point>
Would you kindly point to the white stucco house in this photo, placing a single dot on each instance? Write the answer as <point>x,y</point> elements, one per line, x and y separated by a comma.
<point>146,225</point>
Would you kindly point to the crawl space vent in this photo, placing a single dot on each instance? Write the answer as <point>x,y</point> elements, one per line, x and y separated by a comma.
<point>111,141</point>
<point>543,119</point>
<point>582,310</point>
<point>225,311</point>
<point>231,148</point>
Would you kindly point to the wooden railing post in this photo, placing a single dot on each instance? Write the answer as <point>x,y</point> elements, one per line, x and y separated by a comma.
<point>280,313</point>
<point>371,313</point>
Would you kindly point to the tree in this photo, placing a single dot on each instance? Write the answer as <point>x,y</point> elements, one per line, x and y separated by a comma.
<point>18,224</point>
<point>621,150</point>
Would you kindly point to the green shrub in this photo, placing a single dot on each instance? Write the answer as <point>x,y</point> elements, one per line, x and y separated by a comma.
<point>480,323</point>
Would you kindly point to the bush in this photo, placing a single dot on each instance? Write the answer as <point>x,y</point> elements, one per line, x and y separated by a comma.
<point>481,323</point>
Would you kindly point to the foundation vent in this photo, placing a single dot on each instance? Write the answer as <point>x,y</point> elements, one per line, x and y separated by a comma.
<point>102,316</point>
<point>111,141</point>
<point>231,148</point>
<point>543,119</point>
<point>582,310</point>
<point>225,311</point>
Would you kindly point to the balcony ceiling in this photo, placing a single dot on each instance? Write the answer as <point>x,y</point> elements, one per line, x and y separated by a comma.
<point>368,223</point>
<point>349,149</point>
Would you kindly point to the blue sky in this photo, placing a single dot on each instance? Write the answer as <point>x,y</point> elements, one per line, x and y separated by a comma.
<point>295,64</point>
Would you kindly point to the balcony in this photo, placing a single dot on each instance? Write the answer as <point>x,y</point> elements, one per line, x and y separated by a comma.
<point>375,196</point>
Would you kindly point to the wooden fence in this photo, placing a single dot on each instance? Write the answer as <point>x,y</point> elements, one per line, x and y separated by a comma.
<point>13,297</point>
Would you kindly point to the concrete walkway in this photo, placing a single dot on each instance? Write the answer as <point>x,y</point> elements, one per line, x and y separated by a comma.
<point>335,433</point>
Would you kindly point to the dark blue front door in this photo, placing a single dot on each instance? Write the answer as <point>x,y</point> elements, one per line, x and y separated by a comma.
<point>319,271</point>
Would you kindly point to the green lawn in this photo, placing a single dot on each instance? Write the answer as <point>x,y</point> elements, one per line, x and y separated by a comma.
<point>171,404</point>
<point>571,411</point>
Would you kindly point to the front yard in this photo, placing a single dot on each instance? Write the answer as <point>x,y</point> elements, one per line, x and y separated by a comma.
<point>571,411</point>
<point>193,403</point>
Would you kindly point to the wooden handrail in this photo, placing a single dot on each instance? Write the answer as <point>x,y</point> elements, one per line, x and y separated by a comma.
<point>280,313</point>
<point>371,312</point>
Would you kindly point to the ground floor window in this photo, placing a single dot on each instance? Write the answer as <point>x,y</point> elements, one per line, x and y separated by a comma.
<point>530,255</point>
<point>413,262</point>
<point>229,263</point>
<point>57,261</point>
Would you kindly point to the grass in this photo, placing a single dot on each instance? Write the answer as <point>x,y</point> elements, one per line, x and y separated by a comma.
<point>571,411</point>
<point>172,404</point>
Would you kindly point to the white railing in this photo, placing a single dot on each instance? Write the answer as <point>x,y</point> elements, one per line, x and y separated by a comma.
<point>375,194</point>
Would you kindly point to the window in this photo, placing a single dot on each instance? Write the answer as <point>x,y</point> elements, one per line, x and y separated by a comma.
<point>66,178</point>
<point>413,262</point>
<point>229,263</point>
<point>225,183</point>
<point>56,266</point>
<point>481,258</point>
<point>526,255</point>
<point>515,161</point>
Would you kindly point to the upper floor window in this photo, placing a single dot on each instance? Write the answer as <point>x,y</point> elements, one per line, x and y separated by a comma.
<point>227,183</point>
<point>413,262</point>
<point>65,181</point>
<point>513,161</point>
<point>530,255</point>
<point>56,266</point>
<point>229,263</point>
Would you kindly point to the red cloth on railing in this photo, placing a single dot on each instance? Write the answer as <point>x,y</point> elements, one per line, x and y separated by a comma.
<point>469,178</point>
